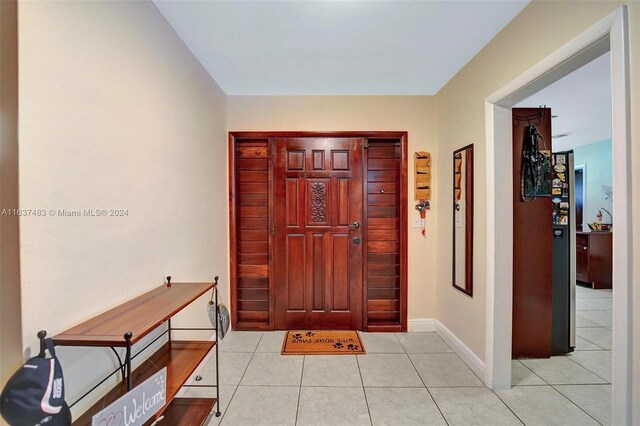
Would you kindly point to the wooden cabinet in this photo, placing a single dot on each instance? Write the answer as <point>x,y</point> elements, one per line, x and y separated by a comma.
<point>594,258</point>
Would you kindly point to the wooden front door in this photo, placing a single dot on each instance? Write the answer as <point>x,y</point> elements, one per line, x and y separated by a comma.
<point>318,233</point>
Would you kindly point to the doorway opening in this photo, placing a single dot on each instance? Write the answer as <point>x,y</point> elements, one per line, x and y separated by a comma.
<point>579,178</point>
<point>610,34</point>
<point>318,230</point>
<point>562,298</point>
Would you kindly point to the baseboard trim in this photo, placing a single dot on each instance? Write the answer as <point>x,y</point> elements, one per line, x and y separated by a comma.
<point>421,325</point>
<point>466,354</point>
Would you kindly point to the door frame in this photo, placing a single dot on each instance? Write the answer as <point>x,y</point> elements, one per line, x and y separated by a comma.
<point>609,34</point>
<point>402,136</point>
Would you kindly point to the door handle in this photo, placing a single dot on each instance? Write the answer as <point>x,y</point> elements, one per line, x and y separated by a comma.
<point>356,240</point>
<point>355,225</point>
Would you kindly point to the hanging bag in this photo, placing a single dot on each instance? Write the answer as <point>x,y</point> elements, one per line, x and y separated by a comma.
<point>223,314</point>
<point>34,395</point>
<point>533,160</point>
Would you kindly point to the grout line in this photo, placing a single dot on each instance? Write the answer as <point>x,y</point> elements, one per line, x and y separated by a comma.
<point>366,400</point>
<point>427,388</point>
<point>227,406</point>
<point>592,372</point>
<point>507,405</point>
<point>304,357</point>
<point>404,350</point>
<point>579,407</point>
<point>589,341</point>
<point>532,372</point>
<point>238,385</point>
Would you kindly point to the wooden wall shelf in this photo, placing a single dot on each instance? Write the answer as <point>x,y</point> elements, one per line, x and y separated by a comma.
<point>127,324</point>
<point>139,316</point>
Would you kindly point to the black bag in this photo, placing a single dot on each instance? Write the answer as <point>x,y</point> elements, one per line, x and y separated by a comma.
<point>34,395</point>
<point>535,177</point>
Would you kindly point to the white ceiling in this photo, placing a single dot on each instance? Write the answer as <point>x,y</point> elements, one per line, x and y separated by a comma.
<point>336,47</point>
<point>582,102</point>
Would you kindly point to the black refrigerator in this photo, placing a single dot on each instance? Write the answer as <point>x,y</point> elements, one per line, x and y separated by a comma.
<point>563,278</point>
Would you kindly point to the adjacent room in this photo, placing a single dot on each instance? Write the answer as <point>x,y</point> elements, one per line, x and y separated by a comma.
<point>564,337</point>
<point>319,212</point>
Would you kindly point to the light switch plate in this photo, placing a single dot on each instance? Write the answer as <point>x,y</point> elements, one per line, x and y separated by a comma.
<point>418,222</point>
<point>459,221</point>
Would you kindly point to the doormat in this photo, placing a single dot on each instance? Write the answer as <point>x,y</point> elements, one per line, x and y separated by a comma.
<point>321,342</point>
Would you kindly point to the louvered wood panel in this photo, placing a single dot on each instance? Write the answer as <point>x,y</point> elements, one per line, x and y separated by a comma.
<point>252,233</point>
<point>383,235</point>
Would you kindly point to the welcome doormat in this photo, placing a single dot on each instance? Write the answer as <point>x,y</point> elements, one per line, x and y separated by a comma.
<point>321,342</point>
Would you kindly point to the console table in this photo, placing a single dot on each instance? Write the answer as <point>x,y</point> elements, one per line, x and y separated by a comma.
<point>125,325</point>
<point>594,258</point>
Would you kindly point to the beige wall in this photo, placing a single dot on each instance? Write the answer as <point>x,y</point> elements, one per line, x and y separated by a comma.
<point>10,325</point>
<point>415,114</point>
<point>115,113</point>
<point>634,35</point>
<point>534,34</point>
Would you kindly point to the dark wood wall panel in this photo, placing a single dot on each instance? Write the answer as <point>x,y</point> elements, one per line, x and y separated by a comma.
<point>532,255</point>
<point>252,233</point>
<point>383,236</point>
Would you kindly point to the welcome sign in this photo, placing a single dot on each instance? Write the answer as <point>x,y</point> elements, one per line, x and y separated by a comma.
<point>136,406</point>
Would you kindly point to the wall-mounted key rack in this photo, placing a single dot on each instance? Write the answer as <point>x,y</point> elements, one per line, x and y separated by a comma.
<point>422,180</point>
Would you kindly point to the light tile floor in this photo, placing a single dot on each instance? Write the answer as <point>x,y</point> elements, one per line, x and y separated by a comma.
<point>412,379</point>
<point>574,388</point>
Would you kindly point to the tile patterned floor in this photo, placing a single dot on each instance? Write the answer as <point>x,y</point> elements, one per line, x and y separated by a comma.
<point>577,386</point>
<point>413,379</point>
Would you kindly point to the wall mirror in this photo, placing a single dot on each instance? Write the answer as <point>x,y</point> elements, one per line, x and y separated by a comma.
<point>463,219</point>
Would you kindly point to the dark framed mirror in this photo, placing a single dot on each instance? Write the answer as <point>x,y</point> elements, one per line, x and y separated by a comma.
<point>462,274</point>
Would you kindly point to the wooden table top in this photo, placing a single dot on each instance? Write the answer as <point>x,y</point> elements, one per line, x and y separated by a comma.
<point>138,316</point>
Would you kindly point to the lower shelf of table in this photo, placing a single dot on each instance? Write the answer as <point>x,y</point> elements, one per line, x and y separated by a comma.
<point>181,359</point>
<point>187,412</point>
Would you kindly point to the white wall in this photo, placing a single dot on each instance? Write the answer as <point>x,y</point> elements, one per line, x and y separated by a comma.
<point>115,113</point>
<point>415,114</point>
<point>597,159</point>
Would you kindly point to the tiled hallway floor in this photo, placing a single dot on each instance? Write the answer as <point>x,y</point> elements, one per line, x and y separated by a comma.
<point>580,379</point>
<point>412,379</point>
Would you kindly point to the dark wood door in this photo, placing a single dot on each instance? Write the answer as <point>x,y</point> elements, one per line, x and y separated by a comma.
<point>582,257</point>
<point>318,250</point>
<point>532,250</point>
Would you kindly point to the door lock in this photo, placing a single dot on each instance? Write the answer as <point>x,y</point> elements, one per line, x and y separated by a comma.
<point>356,240</point>
<point>355,225</point>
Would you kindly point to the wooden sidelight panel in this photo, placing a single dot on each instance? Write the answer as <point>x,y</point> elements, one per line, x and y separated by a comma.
<point>294,197</point>
<point>385,238</point>
<point>317,247</point>
<point>250,254</point>
<point>532,253</point>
